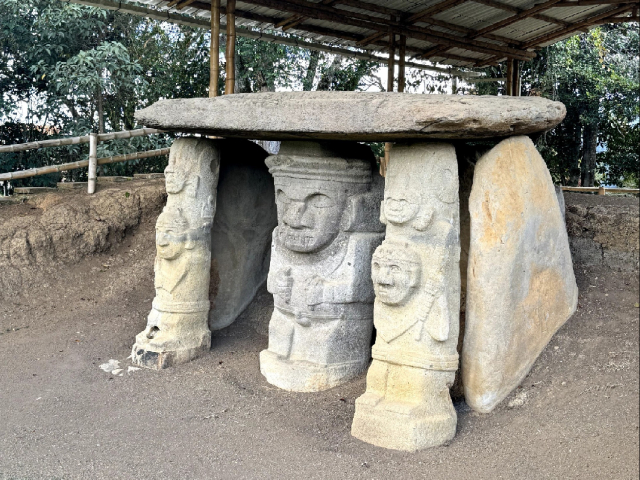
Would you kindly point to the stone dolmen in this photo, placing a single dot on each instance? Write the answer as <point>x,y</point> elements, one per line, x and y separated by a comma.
<point>352,251</point>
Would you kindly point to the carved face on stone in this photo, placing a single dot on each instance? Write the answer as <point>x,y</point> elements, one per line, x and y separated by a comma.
<point>309,214</point>
<point>175,177</point>
<point>400,206</point>
<point>171,235</point>
<point>395,271</point>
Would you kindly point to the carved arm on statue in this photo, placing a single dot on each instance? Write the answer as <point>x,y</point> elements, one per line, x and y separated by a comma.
<point>438,330</point>
<point>281,284</point>
<point>330,291</point>
<point>314,291</point>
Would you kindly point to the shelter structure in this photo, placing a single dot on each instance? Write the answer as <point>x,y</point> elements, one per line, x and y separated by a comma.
<point>463,34</point>
<point>509,258</point>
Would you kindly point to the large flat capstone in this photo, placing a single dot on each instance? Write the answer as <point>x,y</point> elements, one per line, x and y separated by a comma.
<point>520,283</point>
<point>359,116</point>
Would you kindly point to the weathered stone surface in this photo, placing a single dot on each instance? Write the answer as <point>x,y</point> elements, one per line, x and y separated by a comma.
<point>241,234</point>
<point>520,283</point>
<point>328,200</point>
<point>416,278</point>
<point>603,231</point>
<point>177,330</point>
<point>359,116</point>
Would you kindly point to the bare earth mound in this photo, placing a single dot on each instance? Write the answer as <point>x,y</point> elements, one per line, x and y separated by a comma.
<point>61,416</point>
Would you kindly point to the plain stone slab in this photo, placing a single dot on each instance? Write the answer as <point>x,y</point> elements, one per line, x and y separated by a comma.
<point>241,233</point>
<point>359,116</point>
<point>520,283</point>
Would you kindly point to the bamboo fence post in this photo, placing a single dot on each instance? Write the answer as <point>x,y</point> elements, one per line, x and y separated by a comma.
<point>391,66</point>
<point>93,163</point>
<point>231,48</point>
<point>601,191</point>
<point>402,63</point>
<point>214,50</point>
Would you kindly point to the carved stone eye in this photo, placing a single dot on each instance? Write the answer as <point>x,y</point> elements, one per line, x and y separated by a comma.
<point>319,201</point>
<point>395,269</point>
<point>281,197</point>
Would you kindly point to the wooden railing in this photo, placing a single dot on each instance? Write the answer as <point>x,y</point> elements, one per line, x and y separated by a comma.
<point>92,163</point>
<point>601,190</point>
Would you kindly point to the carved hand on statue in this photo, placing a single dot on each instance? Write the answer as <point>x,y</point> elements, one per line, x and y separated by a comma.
<point>314,291</point>
<point>284,285</point>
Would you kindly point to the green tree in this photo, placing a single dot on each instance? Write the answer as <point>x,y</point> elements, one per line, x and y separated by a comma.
<point>596,76</point>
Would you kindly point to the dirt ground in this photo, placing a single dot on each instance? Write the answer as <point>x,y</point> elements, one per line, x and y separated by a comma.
<point>62,417</point>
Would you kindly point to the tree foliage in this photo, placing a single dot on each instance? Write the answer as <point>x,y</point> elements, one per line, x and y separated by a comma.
<point>595,75</point>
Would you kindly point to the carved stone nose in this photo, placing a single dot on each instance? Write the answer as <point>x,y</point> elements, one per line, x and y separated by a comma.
<point>383,277</point>
<point>293,214</point>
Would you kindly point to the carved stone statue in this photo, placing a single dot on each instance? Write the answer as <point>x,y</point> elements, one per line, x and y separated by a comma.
<point>177,329</point>
<point>417,285</point>
<point>328,227</point>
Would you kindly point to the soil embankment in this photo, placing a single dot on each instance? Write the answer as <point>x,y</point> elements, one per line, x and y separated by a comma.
<point>61,416</point>
<point>47,233</point>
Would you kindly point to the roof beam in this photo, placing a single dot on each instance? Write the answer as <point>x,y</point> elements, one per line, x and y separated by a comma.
<point>426,19</point>
<point>433,10</point>
<point>565,31</point>
<point>294,20</point>
<point>322,12</point>
<point>602,18</point>
<point>510,8</point>
<point>586,3</point>
<point>244,32</point>
<point>517,17</point>
<point>325,31</point>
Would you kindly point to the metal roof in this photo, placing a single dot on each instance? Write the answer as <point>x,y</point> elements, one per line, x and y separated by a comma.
<point>465,33</point>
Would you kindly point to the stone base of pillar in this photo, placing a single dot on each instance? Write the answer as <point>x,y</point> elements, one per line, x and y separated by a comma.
<point>303,376</point>
<point>402,426</point>
<point>148,353</point>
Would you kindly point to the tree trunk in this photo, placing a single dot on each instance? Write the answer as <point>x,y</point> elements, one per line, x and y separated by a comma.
<point>100,113</point>
<point>307,83</point>
<point>574,168</point>
<point>589,142</point>
<point>328,77</point>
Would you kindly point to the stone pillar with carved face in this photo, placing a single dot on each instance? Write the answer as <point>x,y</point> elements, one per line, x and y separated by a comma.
<point>407,405</point>
<point>177,329</point>
<point>328,199</point>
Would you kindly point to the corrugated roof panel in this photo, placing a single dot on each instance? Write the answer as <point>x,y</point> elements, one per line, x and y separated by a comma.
<point>473,15</point>
<point>470,15</point>
<point>523,28</point>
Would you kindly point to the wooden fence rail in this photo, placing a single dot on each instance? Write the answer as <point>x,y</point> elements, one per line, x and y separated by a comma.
<point>601,190</point>
<point>92,139</point>
<point>32,172</point>
<point>59,142</point>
